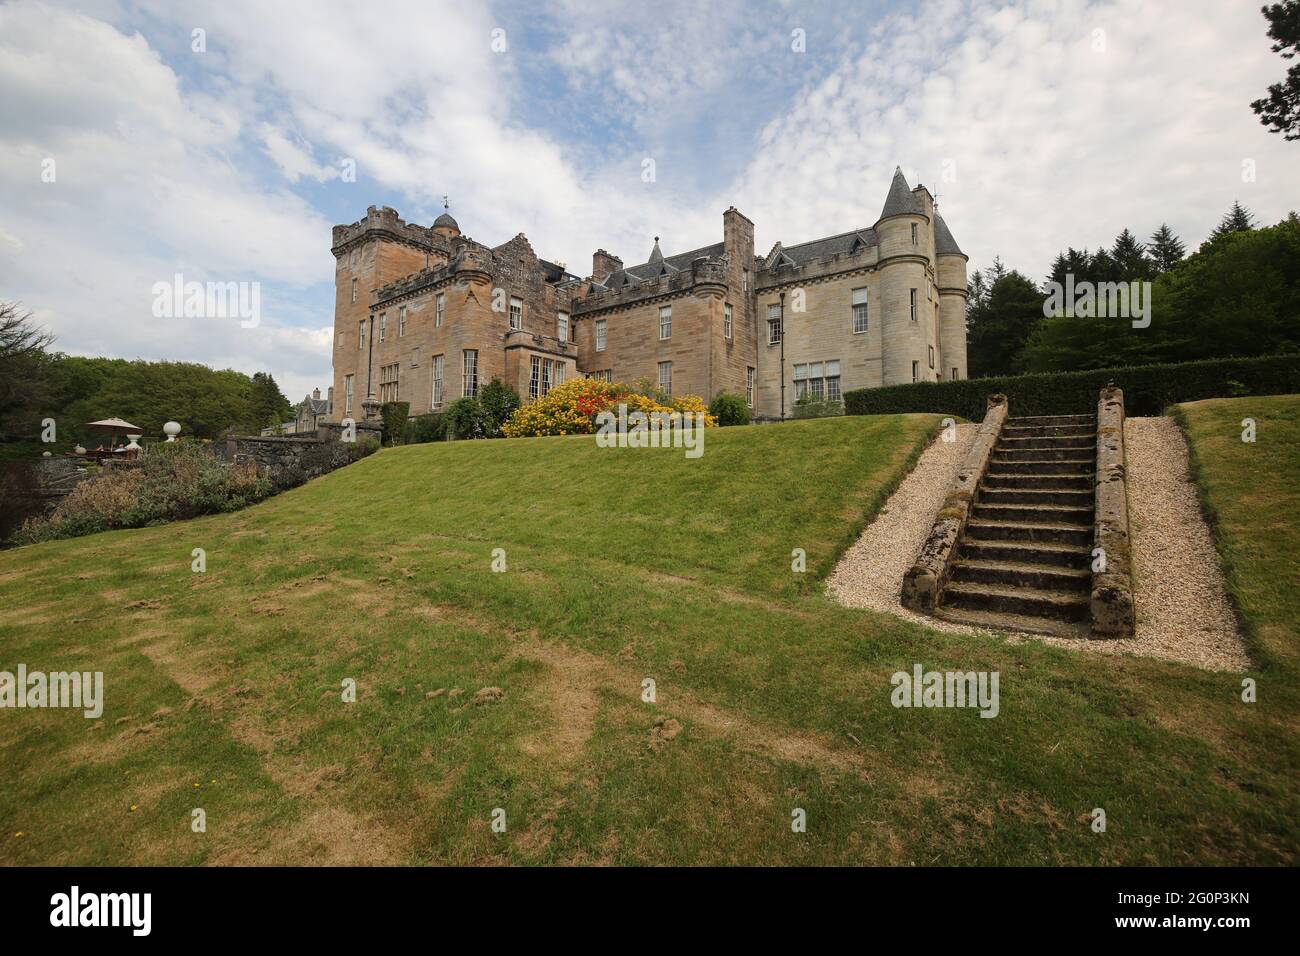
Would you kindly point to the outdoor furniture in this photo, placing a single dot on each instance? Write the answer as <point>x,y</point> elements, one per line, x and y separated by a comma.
<point>115,427</point>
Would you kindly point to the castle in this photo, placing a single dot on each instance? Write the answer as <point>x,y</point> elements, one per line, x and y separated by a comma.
<point>427,315</point>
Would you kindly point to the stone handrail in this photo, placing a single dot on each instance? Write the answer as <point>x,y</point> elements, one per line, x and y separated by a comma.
<point>924,581</point>
<point>1112,580</point>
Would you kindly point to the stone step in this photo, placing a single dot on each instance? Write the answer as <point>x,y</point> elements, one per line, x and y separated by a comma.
<point>1059,453</point>
<point>1047,431</point>
<point>1035,420</point>
<point>1039,513</point>
<point>1028,601</point>
<point>1064,466</point>
<point>1013,574</point>
<point>1000,621</point>
<point>1027,552</point>
<point>983,529</point>
<point>1077,497</point>
<point>1086,440</point>
<point>1082,480</point>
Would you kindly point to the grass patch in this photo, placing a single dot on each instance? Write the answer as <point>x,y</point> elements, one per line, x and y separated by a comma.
<point>622,565</point>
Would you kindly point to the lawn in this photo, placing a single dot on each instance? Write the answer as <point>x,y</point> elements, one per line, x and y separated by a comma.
<point>223,687</point>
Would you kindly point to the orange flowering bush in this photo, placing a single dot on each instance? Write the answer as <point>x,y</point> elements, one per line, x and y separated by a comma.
<point>571,408</point>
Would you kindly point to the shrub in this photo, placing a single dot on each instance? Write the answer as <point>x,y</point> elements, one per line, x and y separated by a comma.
<point>394,415</point>
<point>809,406</point>
<point>499,402</point>
<point>729,409</point>
<point>364,447</point>
<point>429,427</point>
<point>571,408</point>
<point>465,418</point>
<point>1148,389</point>
<point>174,480</point>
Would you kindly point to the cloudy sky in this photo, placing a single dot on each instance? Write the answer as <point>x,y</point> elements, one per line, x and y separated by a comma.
<point>1040,123</point>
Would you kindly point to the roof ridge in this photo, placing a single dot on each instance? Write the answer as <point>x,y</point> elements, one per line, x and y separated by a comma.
<point>838,235</point>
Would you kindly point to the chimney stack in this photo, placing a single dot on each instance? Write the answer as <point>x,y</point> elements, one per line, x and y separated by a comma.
<point>604,265</point>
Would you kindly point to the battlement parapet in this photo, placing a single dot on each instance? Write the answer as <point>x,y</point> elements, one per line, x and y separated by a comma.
<point>384,221</point>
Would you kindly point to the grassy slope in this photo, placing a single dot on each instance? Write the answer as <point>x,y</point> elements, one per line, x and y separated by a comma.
<point>622,565</point>
<point>1252,493</point>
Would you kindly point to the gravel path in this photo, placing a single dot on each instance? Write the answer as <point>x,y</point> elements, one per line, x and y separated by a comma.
<point>1183,611</point>
<point>871,572</point>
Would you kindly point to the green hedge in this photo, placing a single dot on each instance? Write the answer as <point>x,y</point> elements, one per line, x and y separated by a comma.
<point>1148,389</point>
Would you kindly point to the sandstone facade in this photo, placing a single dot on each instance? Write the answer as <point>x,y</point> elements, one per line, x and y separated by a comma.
<point>426,315</point>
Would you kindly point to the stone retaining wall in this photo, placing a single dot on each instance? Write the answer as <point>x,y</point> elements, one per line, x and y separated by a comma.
<point>294,459</point>
<point>1112,586</point>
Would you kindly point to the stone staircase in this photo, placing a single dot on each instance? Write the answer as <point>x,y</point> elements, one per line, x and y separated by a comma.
<point>1023,560</point>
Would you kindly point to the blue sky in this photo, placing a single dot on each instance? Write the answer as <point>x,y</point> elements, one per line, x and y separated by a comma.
<point>1040,123</point>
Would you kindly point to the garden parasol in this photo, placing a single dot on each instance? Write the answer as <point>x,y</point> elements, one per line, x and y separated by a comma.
<point>114,426</point>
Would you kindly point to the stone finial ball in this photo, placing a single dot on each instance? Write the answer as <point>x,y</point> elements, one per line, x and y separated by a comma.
<point>171,430</point>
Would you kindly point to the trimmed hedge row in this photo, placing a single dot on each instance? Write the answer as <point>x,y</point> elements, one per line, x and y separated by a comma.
<point>1148,389</point>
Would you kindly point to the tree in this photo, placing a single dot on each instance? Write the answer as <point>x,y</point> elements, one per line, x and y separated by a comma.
<point>1280,110</point>
<point>1237,219</point>
<point>1166,250</point>
<point>1002,322</point>
<point>498,402</point>
<point>24,370</point>
<point>1073,262</point>
<point>1130,257</point>
<point>269,406</point>
<point>1238,296</point>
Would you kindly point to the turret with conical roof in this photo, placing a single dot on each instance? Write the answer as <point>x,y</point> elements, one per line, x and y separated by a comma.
<point>909,319</point>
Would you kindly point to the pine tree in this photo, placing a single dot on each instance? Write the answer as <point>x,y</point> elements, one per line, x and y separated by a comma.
<point>1130,257</point>
<point>1060,266</point>
<point>1238,219</point>
<point>1166,250</point>
<point>1280,110</point>
<point>1102,267</point>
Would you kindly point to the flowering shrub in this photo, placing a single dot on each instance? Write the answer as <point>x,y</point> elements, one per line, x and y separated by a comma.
<point>571,408</point>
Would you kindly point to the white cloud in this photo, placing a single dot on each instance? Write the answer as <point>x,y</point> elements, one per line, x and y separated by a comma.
<point>1054,143</point>
<point>293,157</point>
<point>172,161</point>
<point>144,187</point>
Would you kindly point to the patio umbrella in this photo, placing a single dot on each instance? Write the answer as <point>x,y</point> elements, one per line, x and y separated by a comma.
<point>114,426</point>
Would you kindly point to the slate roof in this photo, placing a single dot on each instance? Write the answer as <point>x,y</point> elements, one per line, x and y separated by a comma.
<point>670,264</point>
<point>446,220</point>
<point>901,200</point>
<point>842,244</point>
<point>944,243</point>
<point>318,406</point>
